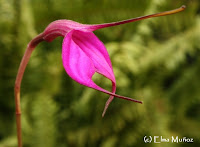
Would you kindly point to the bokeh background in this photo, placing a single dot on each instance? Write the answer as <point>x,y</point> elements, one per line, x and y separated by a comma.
<point>155,60</point>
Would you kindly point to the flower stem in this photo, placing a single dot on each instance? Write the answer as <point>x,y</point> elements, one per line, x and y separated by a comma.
<point>31,46</point>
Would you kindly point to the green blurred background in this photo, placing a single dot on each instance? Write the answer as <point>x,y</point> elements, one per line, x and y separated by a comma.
<point>155,60</point>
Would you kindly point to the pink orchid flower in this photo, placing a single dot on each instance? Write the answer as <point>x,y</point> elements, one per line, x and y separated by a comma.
<point>83,53</point>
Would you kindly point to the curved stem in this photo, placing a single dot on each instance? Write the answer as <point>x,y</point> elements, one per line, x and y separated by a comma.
<point>31,46</point>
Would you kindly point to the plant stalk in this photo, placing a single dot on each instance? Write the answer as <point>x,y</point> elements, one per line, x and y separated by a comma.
<point>31,46</point>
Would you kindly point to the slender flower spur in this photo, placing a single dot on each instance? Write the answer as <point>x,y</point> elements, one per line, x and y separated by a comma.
<point>83,54</point>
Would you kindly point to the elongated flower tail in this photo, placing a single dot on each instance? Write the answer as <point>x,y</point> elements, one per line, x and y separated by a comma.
<point>112,95</point>
<point>118,96</point>
<point>105,25</point>
<point>121,97</point>
<point>110,99</point>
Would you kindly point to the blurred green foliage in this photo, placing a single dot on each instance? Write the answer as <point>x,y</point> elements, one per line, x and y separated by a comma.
<point>155,60</point>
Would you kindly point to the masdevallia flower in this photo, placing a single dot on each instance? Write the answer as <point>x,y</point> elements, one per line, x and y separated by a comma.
<point>83,53</point>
